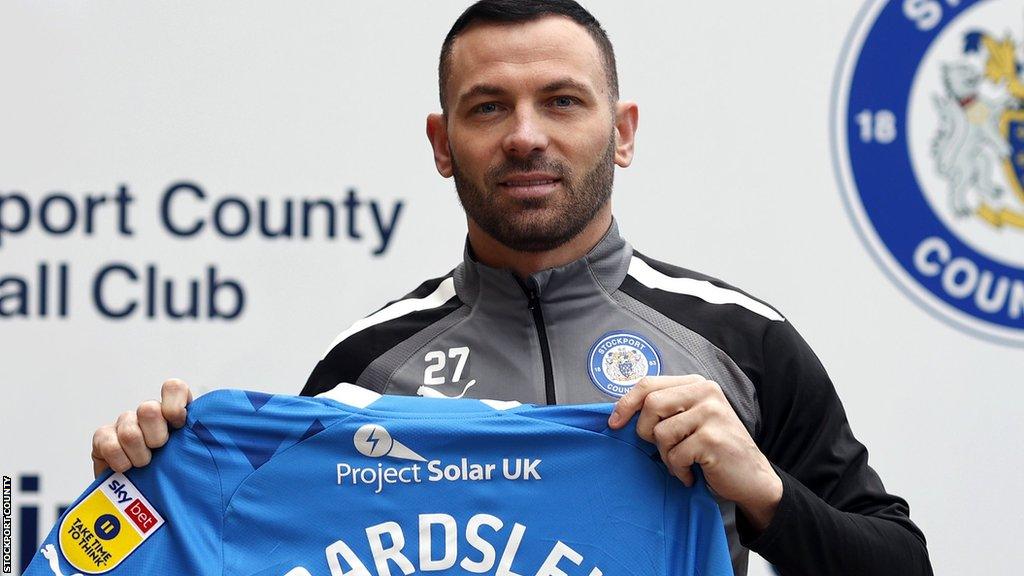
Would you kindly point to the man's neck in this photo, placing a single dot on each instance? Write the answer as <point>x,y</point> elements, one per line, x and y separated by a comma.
<point>492,253</point>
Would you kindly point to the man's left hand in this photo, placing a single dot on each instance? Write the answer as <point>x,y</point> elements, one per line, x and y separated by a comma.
<point>691,422</point>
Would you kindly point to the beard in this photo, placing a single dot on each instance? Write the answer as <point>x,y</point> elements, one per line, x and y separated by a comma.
<point>537,224</point>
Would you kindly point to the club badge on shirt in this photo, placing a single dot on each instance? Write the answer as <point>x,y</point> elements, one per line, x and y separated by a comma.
<point>618,360</point>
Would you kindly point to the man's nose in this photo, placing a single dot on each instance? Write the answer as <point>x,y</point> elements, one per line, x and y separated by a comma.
<point>527,134</point>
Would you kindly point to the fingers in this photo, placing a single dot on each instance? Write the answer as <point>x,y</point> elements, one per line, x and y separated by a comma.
<point>174,396</point>
<point>681,457</point>
<point>634,400</point>
<point>107,452</point>
<point>670,432</point>
<point>122,445</point>
<point>99,461</point>
<point>659,405</point>
<point>98,466</point>
<point>151,420</point>
<point>132,441</point>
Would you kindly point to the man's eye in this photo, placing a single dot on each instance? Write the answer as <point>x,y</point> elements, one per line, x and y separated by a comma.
<point>564,102</point>
<point>487,108</point>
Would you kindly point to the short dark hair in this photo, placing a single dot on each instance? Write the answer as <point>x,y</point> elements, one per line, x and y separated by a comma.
<point>517,11</point>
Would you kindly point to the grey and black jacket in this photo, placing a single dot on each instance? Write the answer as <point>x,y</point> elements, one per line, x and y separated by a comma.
<point>575,334</point>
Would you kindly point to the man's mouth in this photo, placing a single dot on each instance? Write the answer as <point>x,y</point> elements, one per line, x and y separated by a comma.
<point>530,185</point>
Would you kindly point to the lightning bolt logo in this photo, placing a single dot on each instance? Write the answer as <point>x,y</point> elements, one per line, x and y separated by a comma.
<point>375,441</point>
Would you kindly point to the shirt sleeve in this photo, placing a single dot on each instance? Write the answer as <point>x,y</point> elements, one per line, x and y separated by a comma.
<point>164,518</point>
<point>835,516</point>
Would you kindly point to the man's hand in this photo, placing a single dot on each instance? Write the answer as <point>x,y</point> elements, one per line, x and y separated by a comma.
<point>129,441</point>
<point>691,422</point>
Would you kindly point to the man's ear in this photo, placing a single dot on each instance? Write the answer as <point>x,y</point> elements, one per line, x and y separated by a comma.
<point>437,133</point>
<point>626,116</point>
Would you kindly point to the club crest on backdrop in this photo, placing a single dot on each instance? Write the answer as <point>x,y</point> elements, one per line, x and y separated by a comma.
<point>928,144</point>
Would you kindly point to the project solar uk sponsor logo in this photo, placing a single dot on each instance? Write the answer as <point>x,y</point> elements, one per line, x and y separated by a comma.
<point>374,441</point>
<point>928,142</point>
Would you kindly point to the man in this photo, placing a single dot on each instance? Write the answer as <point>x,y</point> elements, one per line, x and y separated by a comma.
<point>551,305</point>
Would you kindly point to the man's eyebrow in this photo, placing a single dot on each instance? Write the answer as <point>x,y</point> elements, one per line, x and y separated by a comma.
<point>553,86</point>
<point>567,84</point>
<point>482,90</point>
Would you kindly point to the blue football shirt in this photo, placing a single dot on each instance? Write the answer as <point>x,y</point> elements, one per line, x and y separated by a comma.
<point>368,485</point>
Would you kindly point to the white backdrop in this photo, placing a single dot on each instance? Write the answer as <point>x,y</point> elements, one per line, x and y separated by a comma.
<point>733,177</point>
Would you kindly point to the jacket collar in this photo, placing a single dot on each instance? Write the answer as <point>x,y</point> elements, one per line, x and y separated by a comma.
<point>603,267</point>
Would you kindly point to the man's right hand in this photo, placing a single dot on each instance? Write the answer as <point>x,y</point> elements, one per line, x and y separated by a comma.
<point>129,441</point>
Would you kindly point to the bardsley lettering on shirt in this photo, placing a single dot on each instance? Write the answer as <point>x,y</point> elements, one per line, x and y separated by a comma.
<point>343,561</point>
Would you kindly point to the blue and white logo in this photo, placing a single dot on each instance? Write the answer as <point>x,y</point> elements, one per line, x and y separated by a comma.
<point>618,360</point>
<point>928,141</point>
<point>375,441</point>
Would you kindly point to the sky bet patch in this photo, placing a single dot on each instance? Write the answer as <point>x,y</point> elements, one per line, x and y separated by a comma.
<point>107,526</point>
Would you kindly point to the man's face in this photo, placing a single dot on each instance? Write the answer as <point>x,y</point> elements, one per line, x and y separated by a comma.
<point>530,130</point>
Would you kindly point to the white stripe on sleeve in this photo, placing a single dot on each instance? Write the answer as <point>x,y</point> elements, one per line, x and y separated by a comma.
<point>706,291</point>
<point>442,294</point>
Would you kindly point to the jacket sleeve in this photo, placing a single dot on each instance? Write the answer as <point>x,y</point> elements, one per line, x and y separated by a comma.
<point>835,517</point>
